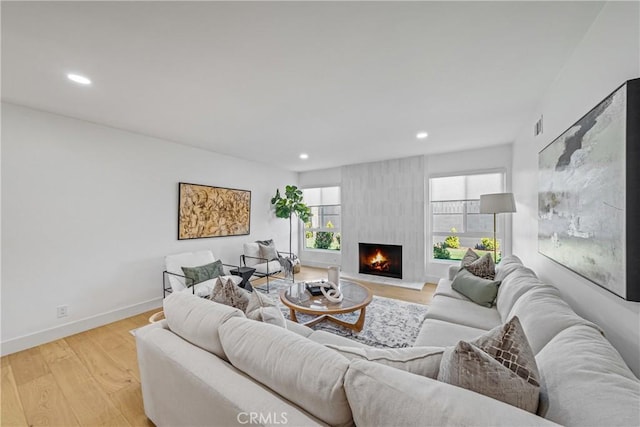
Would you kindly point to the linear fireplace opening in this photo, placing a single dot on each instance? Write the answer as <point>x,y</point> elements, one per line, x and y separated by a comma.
<point>381,260</point>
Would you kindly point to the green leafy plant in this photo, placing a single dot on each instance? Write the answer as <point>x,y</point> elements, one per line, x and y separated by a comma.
<point>292,203</point>
<point>486,244</point>
<point>452,241</point>
<point>440,251</point>
<point>324,238</point>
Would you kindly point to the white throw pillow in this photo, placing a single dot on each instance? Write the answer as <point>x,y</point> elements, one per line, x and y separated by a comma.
<point>264,309</point>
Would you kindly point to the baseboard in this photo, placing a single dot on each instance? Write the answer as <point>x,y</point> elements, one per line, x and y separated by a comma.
<point>316,264</point>
<point>37,338</point>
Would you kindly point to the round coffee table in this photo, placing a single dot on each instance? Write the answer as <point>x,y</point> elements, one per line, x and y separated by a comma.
<point>356,297</point>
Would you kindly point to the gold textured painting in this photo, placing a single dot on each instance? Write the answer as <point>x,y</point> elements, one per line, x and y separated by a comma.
<point>205,211</point>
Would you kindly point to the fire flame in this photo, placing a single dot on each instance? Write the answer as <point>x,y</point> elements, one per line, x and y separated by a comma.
<point>379,258</point>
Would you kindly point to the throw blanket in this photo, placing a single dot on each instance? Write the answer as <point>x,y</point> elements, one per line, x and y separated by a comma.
<point>287,264</point>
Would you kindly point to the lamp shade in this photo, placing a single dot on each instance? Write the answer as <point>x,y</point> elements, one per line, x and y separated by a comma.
<point>497,203</point>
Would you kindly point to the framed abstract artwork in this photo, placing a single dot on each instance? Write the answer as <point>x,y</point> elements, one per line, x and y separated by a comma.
<point>205,211</point>
<point>589,194</point>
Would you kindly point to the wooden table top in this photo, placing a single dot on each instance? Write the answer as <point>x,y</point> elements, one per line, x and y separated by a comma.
<point>298,298</point>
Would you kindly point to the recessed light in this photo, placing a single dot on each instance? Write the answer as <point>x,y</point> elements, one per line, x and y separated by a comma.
<point>422,135</point>
<point>304,156</point>
<point>77,78</point>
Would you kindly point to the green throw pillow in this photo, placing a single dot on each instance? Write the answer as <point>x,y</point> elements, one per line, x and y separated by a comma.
<point>479,290</point>
<point>202,273</point>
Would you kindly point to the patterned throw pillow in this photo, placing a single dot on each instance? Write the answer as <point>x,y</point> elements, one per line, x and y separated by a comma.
<point>226,292</point>
<point>195,275</point>
<point>264,309</point>
<point>469,257</point>
<point>483,267</point>
<point>499,364</point>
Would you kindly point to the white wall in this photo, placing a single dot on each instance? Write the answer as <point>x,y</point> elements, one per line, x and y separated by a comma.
<point>89,212</point>
<point>463,162</point>
<point>608,55</point>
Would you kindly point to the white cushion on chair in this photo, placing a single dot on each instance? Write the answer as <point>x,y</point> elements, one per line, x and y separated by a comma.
<point>274,267</point>
<point>251,250</point>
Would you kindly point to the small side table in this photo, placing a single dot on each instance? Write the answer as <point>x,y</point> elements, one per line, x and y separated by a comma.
<point>245,273</point>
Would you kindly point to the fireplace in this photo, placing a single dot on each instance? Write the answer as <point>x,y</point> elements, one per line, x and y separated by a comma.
<point>381,260</point>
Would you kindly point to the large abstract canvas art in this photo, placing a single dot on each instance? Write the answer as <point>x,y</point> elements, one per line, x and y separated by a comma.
<point>587,200</point>
<point>205,211</point>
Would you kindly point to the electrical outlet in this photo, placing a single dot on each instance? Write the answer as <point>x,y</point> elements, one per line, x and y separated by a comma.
<point>63,310</point>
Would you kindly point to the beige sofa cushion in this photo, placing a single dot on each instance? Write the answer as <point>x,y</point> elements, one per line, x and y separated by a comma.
<point>423,361</point>
<point>197,320</point>
<point>438,333</point>
<point>544,314</point>
<point>463,313</point>
<point>586,382</point>
<point>513,287</point>
<point>299,329</point>
<point>383,396</point>
<point>324,338</point>
<point>507,265</point>
<point>302,371</point>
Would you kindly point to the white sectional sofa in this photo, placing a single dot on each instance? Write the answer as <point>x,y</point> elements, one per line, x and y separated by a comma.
<point>209,365</point>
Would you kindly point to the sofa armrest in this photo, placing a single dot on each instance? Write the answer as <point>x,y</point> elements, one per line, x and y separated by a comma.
<point>382,395</point>
<point>184,385</point>
<point>453,270</point>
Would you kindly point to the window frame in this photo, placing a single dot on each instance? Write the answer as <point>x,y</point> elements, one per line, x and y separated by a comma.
<point>323,228</point>
<point>501,220</point>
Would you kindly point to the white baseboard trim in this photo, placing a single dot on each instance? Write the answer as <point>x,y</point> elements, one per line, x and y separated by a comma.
<point>47,335</point>
<point>316,264</point>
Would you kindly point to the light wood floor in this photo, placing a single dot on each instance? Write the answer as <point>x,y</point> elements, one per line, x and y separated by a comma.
<point>92,378</point>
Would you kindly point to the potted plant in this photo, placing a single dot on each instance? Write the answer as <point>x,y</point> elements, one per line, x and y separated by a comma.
<point>289,204</point>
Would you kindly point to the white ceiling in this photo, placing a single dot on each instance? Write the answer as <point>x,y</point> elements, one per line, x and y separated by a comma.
<point>344,82</point>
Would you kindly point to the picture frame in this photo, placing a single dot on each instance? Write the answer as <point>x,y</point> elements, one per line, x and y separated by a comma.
<point>205,211</point>
<point>589,194</point>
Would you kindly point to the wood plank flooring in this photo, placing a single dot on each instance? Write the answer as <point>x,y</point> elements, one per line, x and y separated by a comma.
<point>92,378</point>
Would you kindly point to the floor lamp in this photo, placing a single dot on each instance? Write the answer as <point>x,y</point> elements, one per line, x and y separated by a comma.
<point>494,204</point>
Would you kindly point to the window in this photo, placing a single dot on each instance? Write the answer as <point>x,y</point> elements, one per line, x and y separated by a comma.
<point>323,229</point>
<point>456,222</point>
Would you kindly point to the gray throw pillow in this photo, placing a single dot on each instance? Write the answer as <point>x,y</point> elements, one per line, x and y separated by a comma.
<point>264,309</point>
<point>483,267</point>
<point>226,292</point>
<point>469,257</point>
<point>499,364</point>
<point>267,249</point>
<point>202,273</point>
<point>479,290</point>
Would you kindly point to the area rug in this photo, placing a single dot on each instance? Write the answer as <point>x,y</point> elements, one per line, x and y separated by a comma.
<point>388,322</point>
